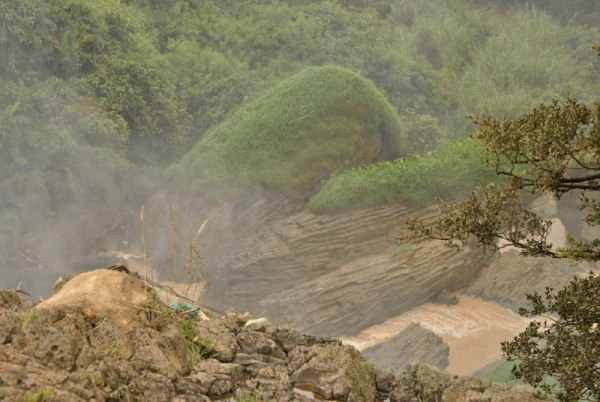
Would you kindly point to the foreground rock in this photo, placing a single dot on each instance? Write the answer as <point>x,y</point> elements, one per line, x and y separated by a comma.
<point>422,382</point>
<point>511,276</point>
<point>414,343</point>
<point>62,351</point>
<point>107,294</point>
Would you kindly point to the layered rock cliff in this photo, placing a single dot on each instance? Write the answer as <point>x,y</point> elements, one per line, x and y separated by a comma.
<point>368,290</point>
<point>336,274</point>
<point>510,276</point>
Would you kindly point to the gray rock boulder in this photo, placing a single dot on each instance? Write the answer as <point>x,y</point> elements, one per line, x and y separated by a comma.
<point>414,343</point>
<point>422,382</point>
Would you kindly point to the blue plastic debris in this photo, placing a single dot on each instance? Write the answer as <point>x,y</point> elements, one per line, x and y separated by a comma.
<point>179,307</point>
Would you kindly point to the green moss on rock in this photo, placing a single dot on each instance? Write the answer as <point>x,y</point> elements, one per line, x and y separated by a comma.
<point>320,120</point>
<point>451,171</point>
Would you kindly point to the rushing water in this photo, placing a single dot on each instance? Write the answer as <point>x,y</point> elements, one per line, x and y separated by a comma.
<point>472,328</point>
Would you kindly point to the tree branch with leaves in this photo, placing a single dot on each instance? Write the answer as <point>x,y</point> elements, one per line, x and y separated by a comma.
<point>553,150</point>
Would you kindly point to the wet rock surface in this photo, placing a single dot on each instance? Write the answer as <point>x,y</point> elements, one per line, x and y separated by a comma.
<point>414,343</point>
<point>510,276</point>
<point>73,356</point>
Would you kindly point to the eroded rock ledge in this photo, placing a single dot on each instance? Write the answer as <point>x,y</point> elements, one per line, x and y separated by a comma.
<point>413,343</point>
<point>332,274</point>
<point>511,276</point>
<point>73,354</point>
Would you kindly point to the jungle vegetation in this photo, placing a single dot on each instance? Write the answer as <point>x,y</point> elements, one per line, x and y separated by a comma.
<point>319,120</point>
<point>98,98</point>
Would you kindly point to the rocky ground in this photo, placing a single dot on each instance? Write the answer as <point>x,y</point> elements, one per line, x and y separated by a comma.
<point>105,336</point>
<point>332,275</point>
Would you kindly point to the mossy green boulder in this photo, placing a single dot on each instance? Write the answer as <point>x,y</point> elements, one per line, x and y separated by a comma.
<point>451,171</point>
<point>320,120</point>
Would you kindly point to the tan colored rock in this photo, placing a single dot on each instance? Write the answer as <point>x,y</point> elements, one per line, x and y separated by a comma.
<point>163,352</point>
<point>422,382</point>
<point>220,334</point>
<point>9,298</point>
<point>156,387</point>
<point>471,389</point>
<point>107,338</point>
<point>259,325</point>
<point>216,379</point>
<point>9,326</point>
<point>111,295</point>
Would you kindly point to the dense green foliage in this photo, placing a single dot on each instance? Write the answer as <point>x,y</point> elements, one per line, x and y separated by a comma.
<point>451,171</point>
<point>98,96</point>
<point>317,121</point>
<point>564,346</point>
<point>234,51</point>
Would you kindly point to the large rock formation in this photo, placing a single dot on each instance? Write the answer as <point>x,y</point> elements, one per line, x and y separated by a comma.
<point>414,343</point>
<point>333,273</point>
<point>107,294</point>
<point>509,277</point>
<point>368,290</point>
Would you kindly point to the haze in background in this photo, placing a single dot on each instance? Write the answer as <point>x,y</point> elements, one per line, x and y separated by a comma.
<point>98,98</point>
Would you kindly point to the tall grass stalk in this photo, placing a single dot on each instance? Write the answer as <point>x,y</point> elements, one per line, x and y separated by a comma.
<point>174,233</point>
<point>142,213</point>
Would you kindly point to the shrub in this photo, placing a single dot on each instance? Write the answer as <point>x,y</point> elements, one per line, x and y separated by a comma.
<point>423,133</point>
<point>449,172</point>
<point>320,120</point>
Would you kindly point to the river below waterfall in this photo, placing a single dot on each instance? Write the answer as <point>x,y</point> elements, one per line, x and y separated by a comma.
<point>472,328</point>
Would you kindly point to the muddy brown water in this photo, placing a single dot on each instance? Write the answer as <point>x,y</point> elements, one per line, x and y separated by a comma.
<point>472,328</point>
